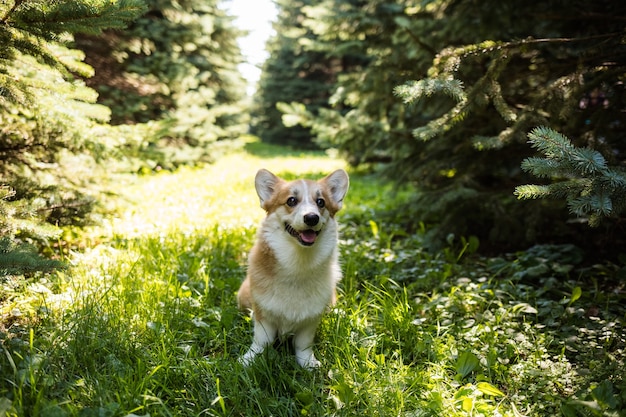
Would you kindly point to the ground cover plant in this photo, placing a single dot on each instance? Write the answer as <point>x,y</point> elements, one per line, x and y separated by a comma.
<point>144,322</point>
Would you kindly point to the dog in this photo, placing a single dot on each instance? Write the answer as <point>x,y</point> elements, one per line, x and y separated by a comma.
<point>293,267</point>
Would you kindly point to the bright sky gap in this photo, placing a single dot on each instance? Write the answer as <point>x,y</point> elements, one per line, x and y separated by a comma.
<point>254,16</point>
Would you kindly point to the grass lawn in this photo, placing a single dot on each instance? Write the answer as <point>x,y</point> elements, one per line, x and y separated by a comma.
<point>145,320</point>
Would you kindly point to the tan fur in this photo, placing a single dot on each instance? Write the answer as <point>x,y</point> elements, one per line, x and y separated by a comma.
<point>293,267</point>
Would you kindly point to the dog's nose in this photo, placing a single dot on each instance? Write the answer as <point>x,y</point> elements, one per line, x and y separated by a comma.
<point>311,219</point>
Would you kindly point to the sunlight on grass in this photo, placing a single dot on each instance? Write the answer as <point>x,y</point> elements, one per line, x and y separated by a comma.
<point>221,194</point>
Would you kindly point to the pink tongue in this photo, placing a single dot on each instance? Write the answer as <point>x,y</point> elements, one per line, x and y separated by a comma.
<point>308,236</point>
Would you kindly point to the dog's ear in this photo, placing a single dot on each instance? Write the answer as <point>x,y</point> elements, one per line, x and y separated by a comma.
<point>265,183</point>
<point>338,183</point>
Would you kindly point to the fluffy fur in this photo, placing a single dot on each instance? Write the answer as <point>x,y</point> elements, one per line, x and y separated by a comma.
<point>293,267</point>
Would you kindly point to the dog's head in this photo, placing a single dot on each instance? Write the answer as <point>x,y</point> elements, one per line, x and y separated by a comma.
<point>304,207</point>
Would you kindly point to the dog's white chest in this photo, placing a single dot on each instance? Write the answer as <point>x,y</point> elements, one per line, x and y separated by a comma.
<point>299,296</point>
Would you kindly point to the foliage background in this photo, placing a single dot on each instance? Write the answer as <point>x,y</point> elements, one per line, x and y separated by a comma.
<point>448,93</point>
<point>166,92</point>
<point>291,73</point>
<point>176,65</point>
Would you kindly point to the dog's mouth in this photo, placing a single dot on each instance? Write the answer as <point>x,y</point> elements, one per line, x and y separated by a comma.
<point>305,237</point>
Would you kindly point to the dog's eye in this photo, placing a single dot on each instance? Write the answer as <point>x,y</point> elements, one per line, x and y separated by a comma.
<point>320,203</point>
<point>292,201</point>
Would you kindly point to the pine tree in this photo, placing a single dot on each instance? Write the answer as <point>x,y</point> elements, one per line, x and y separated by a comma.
<point>176,66</point>
<point>294,71</point>
<point>555,74</point>
<point>20,258</point>
<point>51,132</point>
<point>450,90</point>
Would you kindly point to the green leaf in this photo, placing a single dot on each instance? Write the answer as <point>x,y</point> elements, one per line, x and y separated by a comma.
<point>568,410</point>
<point>603,393</point>
<point>468,404</point>
<point>593,405</point>
<point>374,228</point>
<point>305,398</point>
<point>488,389</point>
<point>524,308</point>
<point>466,364</point>
<point>576,293</point>
<point>344,390</point>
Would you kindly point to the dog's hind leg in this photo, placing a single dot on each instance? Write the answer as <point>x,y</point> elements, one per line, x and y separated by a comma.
<point>264,334</point>
<point>303,344</point>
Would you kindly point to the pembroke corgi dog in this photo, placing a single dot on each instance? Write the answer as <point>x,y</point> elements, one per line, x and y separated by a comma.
<point>293,267</point>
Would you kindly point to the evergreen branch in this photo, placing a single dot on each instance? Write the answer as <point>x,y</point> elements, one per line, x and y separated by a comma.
<point>46,18</point>
<point>495,92</point>
<point>552,143</point>
<point>531,41</point>
<point>444,123</point>
<point>449,59</point>
<point>415,90</point>
<point>614,179</point>
<point>487,47</point>
<point>18,260</point>
<point>9,12</point>
<point>454,88</point>
<point>28,44</point>
<point>589,161</point>
<point>557,147</point>
<point>562,190</point>
<point>599,204</point>
<point>505,137</point>
<point>592,187</point>
<point>542,167</point>
<point>532,191</point>
<point>6,53</point>
<point>72,59</point>
<point>10,93</point>
<point>16,86</point>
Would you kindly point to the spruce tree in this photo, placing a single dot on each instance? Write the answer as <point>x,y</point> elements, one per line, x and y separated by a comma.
<point>176,66</point>
<point>51,130</point>
<point>362,118</point>
<point>451,90</point>
<point>563,71</point>
<point>294,71</point>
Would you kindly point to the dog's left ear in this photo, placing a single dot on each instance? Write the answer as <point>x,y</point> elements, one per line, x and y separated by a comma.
<point>338,183</point>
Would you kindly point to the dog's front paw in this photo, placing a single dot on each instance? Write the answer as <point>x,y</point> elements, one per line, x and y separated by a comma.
<point>248,357</point>
<point>308,361</point>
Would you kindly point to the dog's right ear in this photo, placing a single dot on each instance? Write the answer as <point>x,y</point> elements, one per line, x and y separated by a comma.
<point>265,183</point>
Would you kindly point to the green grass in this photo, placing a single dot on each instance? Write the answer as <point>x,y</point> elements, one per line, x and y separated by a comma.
<point>145,321</point>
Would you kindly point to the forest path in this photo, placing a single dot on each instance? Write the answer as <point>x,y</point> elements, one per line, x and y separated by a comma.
<point>217,194</point>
